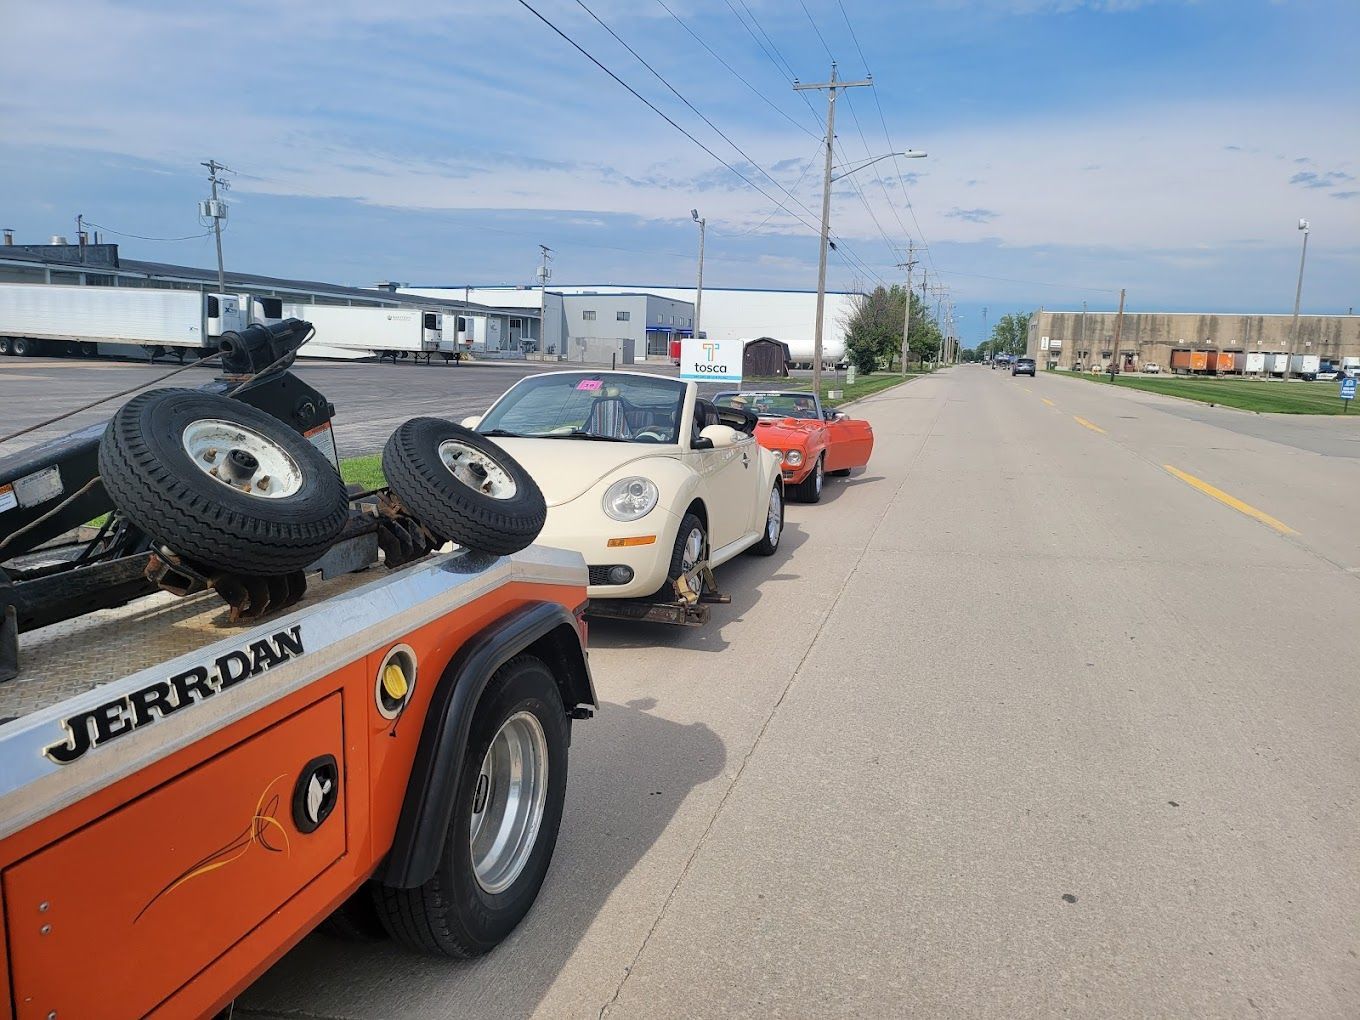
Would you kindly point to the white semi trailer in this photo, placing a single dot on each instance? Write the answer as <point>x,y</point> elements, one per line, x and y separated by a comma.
<point>54,319</point>
<point>344,331</point>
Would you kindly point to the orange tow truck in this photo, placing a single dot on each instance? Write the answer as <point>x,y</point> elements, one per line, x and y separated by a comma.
<point>192,780</point>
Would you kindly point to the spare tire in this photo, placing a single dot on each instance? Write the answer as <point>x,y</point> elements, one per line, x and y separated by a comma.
<point>221,483</point>
<point>463,487</point>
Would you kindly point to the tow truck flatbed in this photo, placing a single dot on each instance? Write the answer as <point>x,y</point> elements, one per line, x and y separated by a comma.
<point>144,739</point>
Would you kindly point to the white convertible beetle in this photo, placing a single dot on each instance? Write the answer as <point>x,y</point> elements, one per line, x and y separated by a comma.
<point>647,481</point>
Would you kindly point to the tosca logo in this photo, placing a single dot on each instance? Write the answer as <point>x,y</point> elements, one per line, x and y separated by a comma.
<point>707,366</point>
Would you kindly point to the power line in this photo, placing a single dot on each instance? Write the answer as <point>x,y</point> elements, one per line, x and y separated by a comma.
<point>142,237</point>
<point>753,35</point>
<point>883,120</point>
<point>797,184</point>
<point>659,77</point>
<point>766,99</point>
<point>655,109</point>
<point>813,23</point>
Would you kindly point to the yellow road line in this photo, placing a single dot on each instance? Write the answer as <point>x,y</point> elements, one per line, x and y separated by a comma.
<point>1088,425</point>
<point>1232,501</point>
<point>1048,402</point>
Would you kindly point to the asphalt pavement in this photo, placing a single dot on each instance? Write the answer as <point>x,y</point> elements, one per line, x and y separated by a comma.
<point>1051,710</point>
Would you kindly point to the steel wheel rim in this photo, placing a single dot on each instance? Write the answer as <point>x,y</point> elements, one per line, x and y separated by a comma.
<point>691,557</point>
<point>817,474</point>
<point>477,469</point>
<point>241,458</point>
<point>508,802</point>
<point>774,521</point>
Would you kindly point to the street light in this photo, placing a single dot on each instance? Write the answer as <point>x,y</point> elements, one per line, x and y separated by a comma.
<point>909,154</point>
<point>826,233</point>
<point>1298,293</point>
<point>699,291</point>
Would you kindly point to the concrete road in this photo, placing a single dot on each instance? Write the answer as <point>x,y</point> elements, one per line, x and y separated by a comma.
<point>1018,723</point>
<point>370,399</point>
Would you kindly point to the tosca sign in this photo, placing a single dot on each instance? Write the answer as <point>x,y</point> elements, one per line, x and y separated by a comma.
<point>711,360</point>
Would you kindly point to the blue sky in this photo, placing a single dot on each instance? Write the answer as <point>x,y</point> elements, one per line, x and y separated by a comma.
<point>1075,146</point>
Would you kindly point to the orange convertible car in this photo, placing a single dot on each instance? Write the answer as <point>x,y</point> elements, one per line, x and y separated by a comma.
<point>813,442</point>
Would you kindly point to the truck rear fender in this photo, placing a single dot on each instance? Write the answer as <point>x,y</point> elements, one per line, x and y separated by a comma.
<point>545,629</point>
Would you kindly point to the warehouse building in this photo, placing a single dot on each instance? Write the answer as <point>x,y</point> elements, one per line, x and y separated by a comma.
<point>101,265</point>
<point>1080,341</point>
<point>586,325</point>
<point>728,313</point>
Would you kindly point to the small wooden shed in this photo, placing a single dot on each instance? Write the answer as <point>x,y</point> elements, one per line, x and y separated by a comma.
<point>765,358</point>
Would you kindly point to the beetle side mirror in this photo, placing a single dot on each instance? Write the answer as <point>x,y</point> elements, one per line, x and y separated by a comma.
<point>719,436</point>
<point>471,422</point>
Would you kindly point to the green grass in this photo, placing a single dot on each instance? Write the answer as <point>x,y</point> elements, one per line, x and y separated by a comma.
<point>364,471</point>
<point>1259,395</point>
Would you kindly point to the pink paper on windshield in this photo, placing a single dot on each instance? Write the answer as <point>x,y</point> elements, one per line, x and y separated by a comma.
<point>590,384</point>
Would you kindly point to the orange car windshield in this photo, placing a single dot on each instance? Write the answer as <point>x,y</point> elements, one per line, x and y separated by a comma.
<point>771,405</point>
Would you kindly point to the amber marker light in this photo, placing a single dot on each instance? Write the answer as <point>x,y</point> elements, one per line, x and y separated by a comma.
<point>619,543</point>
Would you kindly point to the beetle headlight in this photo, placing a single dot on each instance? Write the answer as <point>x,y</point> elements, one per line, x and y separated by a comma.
<point>793,458</point>
<point>630,499</point>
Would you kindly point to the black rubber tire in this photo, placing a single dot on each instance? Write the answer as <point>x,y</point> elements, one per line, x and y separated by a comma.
<point>5,345</point>
<point>452,509</point>
<point>150,477</point>
<point>840,473</point>
<point>809,490</point>
<point>356,920</point>
<point>687,525</point>
<point>765,547</point>
<point>23,347</point>
<point>451,915</point>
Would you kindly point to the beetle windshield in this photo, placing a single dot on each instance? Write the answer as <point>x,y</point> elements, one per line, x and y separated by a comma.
<point>771,405</point>
<point>589,405</point>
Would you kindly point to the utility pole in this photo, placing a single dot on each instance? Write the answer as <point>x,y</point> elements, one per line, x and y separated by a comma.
<point>217,211</point>
<point>906,317</point>
<point>544,275</point>
<point>831,88</point>
<point>1298,295</point>
<point>1118,323</point>
<point>699,291</point>
<point>985,338</point>
<point>1083,335</point>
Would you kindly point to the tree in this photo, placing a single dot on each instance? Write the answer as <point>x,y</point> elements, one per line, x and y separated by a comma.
<point>1010,335</point>
<point>873,329</point>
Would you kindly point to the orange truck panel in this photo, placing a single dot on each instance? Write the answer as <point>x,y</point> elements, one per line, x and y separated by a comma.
<point>178,884</point>
<point>166,884</point>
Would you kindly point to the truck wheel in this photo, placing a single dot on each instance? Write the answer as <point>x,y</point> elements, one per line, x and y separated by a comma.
<point>222,483</point>
<point>5,345</point>
<point>774,525</point>
<point>809,490</point>
<point>506,814</point>
<point>24,347</point>
<point>464,487</point>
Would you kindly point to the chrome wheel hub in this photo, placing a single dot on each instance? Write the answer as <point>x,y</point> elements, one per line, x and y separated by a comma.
<point>774,520</point>
<point>508,802</point>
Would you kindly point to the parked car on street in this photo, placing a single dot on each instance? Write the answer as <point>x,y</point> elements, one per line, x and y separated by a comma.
<point>1023,366</point>
<point>811,441</point>
<point>651,484</point>
<point>1152,368</point>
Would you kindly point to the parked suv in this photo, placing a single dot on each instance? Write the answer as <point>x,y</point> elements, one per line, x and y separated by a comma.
<point>1023,366</point>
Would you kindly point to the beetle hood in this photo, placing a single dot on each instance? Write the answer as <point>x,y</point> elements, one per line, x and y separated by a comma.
<point>566,469</point>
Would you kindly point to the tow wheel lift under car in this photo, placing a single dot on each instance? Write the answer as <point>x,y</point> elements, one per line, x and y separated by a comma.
<point>694,593</point>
